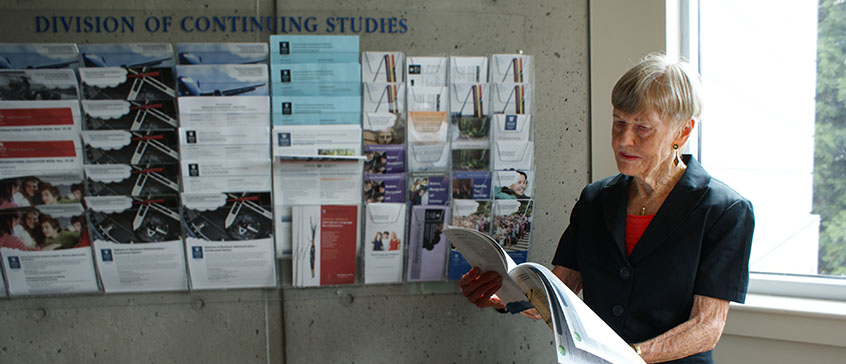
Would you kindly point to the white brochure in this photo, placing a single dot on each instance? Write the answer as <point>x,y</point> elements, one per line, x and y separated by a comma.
<point>426,71</point>
<point>49,272</point>
<point>511,98</point>
<point>55,117</point>
<point>512,127</point>
<point>468,69</point>
<point>384,237</point>
<point>40,157</point>
<point>314,140</point>
<point>384,97</point>
<point>228,239</point>
<point>425,98</point>
<point>511,68</point>
<point>141,267</point>
<point>382,66</point>
<point>426,157</point>
<point>301,182</point>
<point>216,143</point>
<point>226,175</point>
<point>38,84</point>
<point>232,111</point>
<point>469,99</point>
<point>508,154</point>
<point>428,126</point>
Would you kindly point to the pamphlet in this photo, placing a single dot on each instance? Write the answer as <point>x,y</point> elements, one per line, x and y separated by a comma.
<point>383,244</point>
<point>325,241</point>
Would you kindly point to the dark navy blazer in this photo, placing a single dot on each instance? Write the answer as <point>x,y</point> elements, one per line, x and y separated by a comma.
<point>698,243</point>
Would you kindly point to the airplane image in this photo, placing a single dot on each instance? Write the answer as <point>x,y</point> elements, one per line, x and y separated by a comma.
<point>94,60</point>
<point>191,87</point>
<point>187,58</point>
<point>6,63</point>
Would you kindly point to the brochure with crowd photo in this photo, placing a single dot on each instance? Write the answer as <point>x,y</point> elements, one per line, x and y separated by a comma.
<point>512,226</point>
<point>38,85</point>
<point>129,115</point>
<point>325,244</point>
<point>229,240</point>
<point>427,245</point>
<point>468,214</point>
<point>383,248</point>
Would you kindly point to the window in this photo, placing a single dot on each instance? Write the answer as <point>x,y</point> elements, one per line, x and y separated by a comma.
<point>774,129</point>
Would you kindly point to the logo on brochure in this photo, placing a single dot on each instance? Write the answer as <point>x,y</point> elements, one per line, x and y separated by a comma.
<point>197,252</point>
<point>284,139</point>
<point>286,108</point>
<point>414,69</point>
<point>14,263</point>
<point>106,254</point>
<point>284,48</point>
<point>193,170</point>
<point>191,136</point>
<point>511,122</point>
<point>285,75</point>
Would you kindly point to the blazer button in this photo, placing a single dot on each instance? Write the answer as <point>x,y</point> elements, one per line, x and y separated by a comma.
<point>625,273</point>
<point>617,310</point>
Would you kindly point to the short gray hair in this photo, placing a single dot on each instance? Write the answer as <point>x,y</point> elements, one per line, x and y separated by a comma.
<point>657,84</point>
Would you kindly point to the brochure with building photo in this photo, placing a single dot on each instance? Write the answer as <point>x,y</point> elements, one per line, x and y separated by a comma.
<point>129,115</point>
<point>223,80</point>
<point>38,85</point>
<point>325,242</point>
<point>383,248</point>
<point>427,245</point>
<point>428,189</point>
<point>132,84</point>
<point>222,53</point>
<point>229,240</point>
<point>39,55</point>
<point>47,250</point>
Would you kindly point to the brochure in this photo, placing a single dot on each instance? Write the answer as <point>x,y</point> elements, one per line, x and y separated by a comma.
<point>21,119</point>
<point>428,188</point>
<point>383,244</point>
<point>135,220</point>
<point>384,188</point>
<point>131,147</point>
<point>382,159</point>
<point>41,190</point>
<point>222,53</point>
<point>141,267</point>
<point>203,176</point>
<point>325,241</point>
<point>427,245</point>
<point>229,111</point>
<point>314,49</point>
<point>38,85</point>
<point>311,182</point>
<point>471,185</point>
<point>132,180</point>
<point>39,55</point>
<point>129,115</point>
<point>127,54</point>
<point>513,184</point>
<point>223,80</point>
<point>426,71</point>
<point>133,84</point>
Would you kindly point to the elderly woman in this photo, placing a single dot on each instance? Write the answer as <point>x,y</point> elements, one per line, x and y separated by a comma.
<point>661,248</point>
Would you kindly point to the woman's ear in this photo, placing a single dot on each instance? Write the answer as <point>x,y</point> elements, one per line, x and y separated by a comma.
<point>684,132</point>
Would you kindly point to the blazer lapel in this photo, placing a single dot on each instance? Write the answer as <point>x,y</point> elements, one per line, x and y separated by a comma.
<point>614,201</point>
<point>680,203</point>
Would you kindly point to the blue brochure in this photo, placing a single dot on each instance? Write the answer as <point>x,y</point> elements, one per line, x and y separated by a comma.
<point>36,55</point>
<point>222,80</point>
<point>221,53</point>
<point>314,49</point>
<point>316,110</point>
<point>127,55</point>
<point>471,185</point>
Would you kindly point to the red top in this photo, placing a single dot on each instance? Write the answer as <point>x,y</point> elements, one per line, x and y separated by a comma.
<point>635,226</point>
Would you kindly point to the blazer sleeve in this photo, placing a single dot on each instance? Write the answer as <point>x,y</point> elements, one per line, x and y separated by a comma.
<point>724,261</point>
<point>566,255</point>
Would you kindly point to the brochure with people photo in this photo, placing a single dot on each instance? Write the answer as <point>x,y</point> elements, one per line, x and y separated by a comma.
<point>31,190</point>
<point>383,244</point>
<point>580,336</point>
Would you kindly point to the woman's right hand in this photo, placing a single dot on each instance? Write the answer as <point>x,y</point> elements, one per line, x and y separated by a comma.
<point>479,288</point>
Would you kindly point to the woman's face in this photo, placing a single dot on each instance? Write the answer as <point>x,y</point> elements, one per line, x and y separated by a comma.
<point>378,236</point>
<point>519,187</point>
<point>31,220</point>
<point>48,230</point>
<point>31,188</point>
<point>642,144</point>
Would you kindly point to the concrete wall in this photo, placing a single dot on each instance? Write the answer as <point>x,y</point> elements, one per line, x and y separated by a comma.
<point>407,323</point>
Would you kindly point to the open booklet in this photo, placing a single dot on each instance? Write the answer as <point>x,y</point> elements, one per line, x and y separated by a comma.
<point>580,335</point>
